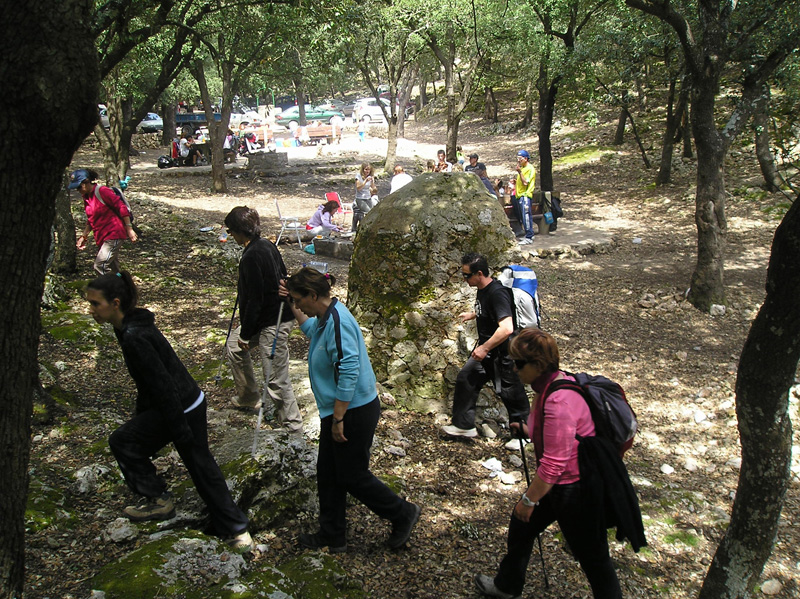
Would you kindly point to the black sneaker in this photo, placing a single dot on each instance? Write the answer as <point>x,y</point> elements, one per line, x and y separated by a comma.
<point>155,508</point>
<point>401,529</point>
<point>315,540</point>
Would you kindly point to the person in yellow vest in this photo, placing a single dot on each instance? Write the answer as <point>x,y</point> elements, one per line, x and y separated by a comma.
<point>526,179</point>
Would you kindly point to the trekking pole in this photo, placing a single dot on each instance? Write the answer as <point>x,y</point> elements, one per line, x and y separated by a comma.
<point>267,374</point>
<point>528,479</point>
<point>218,378</point>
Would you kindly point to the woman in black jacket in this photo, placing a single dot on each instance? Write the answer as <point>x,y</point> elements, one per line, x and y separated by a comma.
<point>170,407</point>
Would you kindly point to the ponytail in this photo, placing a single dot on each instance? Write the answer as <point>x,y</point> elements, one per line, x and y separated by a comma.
<point>117,285</point>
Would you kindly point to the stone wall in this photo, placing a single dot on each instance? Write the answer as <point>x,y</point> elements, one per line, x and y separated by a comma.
<point>405,285</point>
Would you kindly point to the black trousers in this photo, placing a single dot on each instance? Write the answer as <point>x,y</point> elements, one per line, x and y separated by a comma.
<point>471,379</point>
<point>585,536</point>
<point>343,468</point>
<point>138,439</point>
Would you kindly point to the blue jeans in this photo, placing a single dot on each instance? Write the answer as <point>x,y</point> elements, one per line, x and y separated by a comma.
<point>585,536</point>
<point>343,468</point>
<point>527,215</point>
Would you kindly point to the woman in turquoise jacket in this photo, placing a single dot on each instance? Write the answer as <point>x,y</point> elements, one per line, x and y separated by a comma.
<point>344,387</point>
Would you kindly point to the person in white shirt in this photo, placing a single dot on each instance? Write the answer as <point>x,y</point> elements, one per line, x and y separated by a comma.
<point>442,165</point>
<point>400,179</point>
<point>188,152</point>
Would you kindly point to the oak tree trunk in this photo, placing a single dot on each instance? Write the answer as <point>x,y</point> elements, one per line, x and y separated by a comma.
<point>45,80</point>
<point>707,283</point>
<point>65,258</point>
<point>619,134</point>
<point>686,130</point>
<point>547,103</point>
<point>668,145</point>
<point>767,369</point>
<point>766,160</point>
<point>168,116</point>
<point>491,108</point>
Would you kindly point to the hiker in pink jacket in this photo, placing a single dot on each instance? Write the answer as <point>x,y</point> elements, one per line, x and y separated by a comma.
<point>107,217</point>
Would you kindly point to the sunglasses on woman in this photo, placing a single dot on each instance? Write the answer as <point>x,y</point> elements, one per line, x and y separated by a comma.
<point>520,364</point>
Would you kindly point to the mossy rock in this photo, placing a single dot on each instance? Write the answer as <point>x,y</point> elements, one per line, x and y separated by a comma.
<point>189,564</point>
<point>46,507</point>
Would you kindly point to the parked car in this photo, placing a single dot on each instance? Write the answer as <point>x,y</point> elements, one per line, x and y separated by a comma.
<point>332,104</point>
<point>348,108</point>
<point>284,102</point>
<point>245,115</point>
<point>317,113</point>
<point>151,123</point>
<point>409,104</point>
<point>368,110</point>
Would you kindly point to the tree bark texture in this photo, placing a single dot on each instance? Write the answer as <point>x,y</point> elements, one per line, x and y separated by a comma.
<point>670,127</point>
<point>46,78</point>
<point>490,107</point>
<point>767,369</point>
<point>707,283</point>
<point>168,116</point>
<point>115,142</point>
<point>66,252</point>
<point>216,129</point>
<point>547,106</point>
<point>527,119</point>
<point>766,160</point>
<point>686,134</point>
<point>619,134</point>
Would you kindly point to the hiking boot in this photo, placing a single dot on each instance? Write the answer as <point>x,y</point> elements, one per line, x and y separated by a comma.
<point>315,540</point>
<point>240,543</point>
<point>246,405</point>
<point>486,586</point>
<point>155,508</point>
<point>401,529</point>
<point>453,431</point>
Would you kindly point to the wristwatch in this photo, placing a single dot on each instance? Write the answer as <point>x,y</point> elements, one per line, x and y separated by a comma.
<point>527,502</point>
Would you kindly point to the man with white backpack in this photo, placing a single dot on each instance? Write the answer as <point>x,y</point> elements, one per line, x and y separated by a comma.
<point>496,319</point>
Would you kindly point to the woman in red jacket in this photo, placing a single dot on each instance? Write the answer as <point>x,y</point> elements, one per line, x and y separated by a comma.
<point>107,217</point>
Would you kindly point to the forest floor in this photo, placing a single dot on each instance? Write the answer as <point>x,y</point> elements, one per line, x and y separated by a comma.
<point>620,313</point>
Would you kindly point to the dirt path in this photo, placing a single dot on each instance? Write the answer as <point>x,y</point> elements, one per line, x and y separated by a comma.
<point>677,365</point>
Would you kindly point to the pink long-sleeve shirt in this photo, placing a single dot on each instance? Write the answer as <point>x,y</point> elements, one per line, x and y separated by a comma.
<point>105,220</point>
<point>565,415</point>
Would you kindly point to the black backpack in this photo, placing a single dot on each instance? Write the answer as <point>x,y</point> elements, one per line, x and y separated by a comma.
<point>613,416</point>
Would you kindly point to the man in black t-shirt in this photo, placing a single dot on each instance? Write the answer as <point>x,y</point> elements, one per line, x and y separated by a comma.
<point>489,361</point>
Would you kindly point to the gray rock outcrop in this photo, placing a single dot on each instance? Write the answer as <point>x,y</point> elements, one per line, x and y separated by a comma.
<point>405,284</point>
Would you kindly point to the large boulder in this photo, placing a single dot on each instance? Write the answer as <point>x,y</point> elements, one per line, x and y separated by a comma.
<point>405,285</point>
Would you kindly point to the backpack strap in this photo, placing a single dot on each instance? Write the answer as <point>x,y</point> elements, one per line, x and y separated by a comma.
<point>100,199</point>
<point>337,335</point>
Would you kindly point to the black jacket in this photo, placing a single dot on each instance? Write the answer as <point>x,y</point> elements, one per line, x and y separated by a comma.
<point>608,490</point>
<point>162,381</point>
<point>260,269</point>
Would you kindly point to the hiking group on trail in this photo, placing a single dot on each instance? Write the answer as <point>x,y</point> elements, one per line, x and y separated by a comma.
<point>580,478</point>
